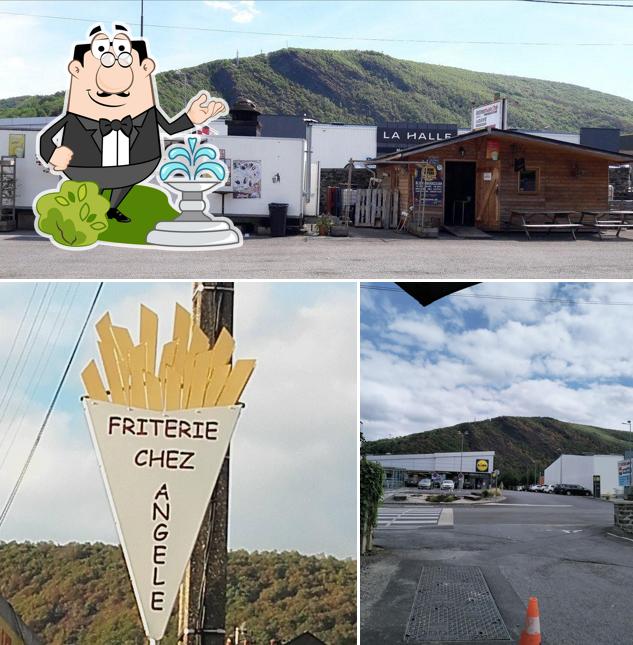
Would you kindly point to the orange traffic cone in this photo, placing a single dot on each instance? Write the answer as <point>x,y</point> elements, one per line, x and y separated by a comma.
<point>531,635</point>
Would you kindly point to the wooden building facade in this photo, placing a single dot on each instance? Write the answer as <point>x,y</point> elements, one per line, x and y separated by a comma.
<point>479,178</point>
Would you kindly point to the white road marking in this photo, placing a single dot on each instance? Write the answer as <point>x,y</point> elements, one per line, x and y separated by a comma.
<point>407,518</point>
<point>538,505</point>
<point>620,536</point>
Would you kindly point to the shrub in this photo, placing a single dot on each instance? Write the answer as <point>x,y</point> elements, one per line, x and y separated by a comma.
<point>371,490</point>
<point>442,498</point>
<point>73,216</point>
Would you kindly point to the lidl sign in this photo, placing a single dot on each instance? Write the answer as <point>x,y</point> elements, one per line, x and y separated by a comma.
<point>482,465</point>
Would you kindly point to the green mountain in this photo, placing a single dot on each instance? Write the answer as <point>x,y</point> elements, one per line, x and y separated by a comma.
<point>369,87</point>
<point>80,594</point>
<point>520,443</point>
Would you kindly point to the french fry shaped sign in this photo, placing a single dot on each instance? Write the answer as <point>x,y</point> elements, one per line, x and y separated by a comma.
<point>161,433</point>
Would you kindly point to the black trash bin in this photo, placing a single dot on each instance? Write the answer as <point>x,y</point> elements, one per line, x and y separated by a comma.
<point>278,214</point>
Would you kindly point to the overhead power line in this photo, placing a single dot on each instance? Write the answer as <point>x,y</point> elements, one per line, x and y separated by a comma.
<point>18,332</point>
<point>499,297</point>
<point>37,375</point>
<point>27,463</point>
<point>10,386</point>
<point>418,41</point>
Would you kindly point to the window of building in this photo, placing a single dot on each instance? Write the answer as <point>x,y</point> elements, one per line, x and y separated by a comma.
<point>529,180</point>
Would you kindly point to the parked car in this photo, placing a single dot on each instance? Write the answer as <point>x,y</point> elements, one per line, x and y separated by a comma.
<point>425,484</point>
<point>571,489</point>
<point>410,483</point>
<point>533,488</point>
<point>448,484</point>
<point>520,487</point>
<point>468,486</point>
<point>548,488</point>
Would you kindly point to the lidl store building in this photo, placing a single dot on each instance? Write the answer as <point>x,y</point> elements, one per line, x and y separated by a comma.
<point>477,467</point>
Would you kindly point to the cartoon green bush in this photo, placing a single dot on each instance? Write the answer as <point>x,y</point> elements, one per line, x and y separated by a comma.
<point>75,215</point>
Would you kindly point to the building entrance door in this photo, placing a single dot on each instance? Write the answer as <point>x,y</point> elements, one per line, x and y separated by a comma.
<point>459,193</point>
<point>596,485</point>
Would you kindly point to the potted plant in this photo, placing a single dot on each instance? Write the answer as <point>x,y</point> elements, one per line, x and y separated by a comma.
<point>323,223</point>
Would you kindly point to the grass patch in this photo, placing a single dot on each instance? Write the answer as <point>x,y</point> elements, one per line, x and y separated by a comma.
<point>145,206</point>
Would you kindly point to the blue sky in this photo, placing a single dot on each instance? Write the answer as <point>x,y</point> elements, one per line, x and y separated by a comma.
<point>296,440</point>
<point>35,50</point>
<point>525,349</point>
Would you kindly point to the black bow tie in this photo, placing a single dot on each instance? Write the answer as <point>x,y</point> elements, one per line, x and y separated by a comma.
<point>125,124</point>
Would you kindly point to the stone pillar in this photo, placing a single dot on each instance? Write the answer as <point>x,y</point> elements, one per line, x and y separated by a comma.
<point>623,515</point>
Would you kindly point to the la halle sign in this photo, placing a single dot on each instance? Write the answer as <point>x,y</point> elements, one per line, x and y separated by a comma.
<point>398,136</point>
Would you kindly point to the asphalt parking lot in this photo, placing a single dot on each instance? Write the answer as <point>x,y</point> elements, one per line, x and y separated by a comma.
<point>556,548</point>
<point>367,254</point>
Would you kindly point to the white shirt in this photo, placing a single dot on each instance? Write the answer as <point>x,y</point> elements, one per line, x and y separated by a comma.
<point>115,149</point>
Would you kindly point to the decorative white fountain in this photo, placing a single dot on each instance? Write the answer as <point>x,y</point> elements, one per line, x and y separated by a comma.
<point>201,172</point>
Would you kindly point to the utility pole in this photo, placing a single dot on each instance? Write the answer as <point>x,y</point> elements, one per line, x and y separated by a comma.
<point>202,603</point>
<point>630,436</point>
<point>461,459</point>
<point>141,18</point>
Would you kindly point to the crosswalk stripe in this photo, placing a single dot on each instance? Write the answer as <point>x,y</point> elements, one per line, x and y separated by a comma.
<point>394,519</point>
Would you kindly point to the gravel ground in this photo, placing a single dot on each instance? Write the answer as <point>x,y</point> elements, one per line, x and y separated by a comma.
<point>367,254</point>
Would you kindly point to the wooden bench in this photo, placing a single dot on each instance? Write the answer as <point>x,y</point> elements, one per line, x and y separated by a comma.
<point>601,226</point>
<point>526,218</point>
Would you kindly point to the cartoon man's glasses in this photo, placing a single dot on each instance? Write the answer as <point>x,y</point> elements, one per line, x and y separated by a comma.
<point>122,51</point>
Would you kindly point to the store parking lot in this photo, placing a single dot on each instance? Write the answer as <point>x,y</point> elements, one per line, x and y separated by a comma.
<point>556,548</point>
<point>368,253</point>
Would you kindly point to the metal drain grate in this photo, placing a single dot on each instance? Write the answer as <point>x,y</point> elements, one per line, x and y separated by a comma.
<point>454,604</point>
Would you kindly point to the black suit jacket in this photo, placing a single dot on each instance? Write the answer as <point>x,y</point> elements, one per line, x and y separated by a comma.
<point>83,137</point>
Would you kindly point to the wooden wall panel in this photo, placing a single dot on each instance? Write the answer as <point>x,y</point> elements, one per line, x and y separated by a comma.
<point>569,179</point>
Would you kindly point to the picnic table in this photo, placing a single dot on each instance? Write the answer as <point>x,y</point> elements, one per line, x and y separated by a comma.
<point>553,220</point>
<point>603,221</point>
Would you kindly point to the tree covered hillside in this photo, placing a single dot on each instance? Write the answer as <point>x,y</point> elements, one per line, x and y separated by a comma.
<point>520,443</point>
<point>81,594</point>
<point>370,87</point>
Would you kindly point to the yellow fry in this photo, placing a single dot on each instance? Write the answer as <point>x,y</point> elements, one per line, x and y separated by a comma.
<point>216,384</point>
<point>112,371</point>
<point>123,341</point>
<point>103,326</point>
<point>236,382</point>
<point>201,369</point>
<point>93,383</point>
<point>223,348</point>
<point>199,341</point>
<point>154,393</point>
<point>136,366</point>
<point>187,376</point>
<point>173,389</point>
<point>149,337</point>
<point>182,326</point>
<point>167,359</point>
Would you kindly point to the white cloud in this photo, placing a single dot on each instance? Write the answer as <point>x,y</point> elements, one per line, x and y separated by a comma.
<point>293,474</point>
<point>241,11</point>
<point>539,356</point>
<point>32,65</point>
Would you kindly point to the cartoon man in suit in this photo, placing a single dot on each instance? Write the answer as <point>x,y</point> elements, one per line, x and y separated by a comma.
<point>110,128</point>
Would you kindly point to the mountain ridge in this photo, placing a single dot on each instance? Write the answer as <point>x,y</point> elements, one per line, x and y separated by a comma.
<point>520,443</point>
<point>364,87</point>
<point>80,594</point>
